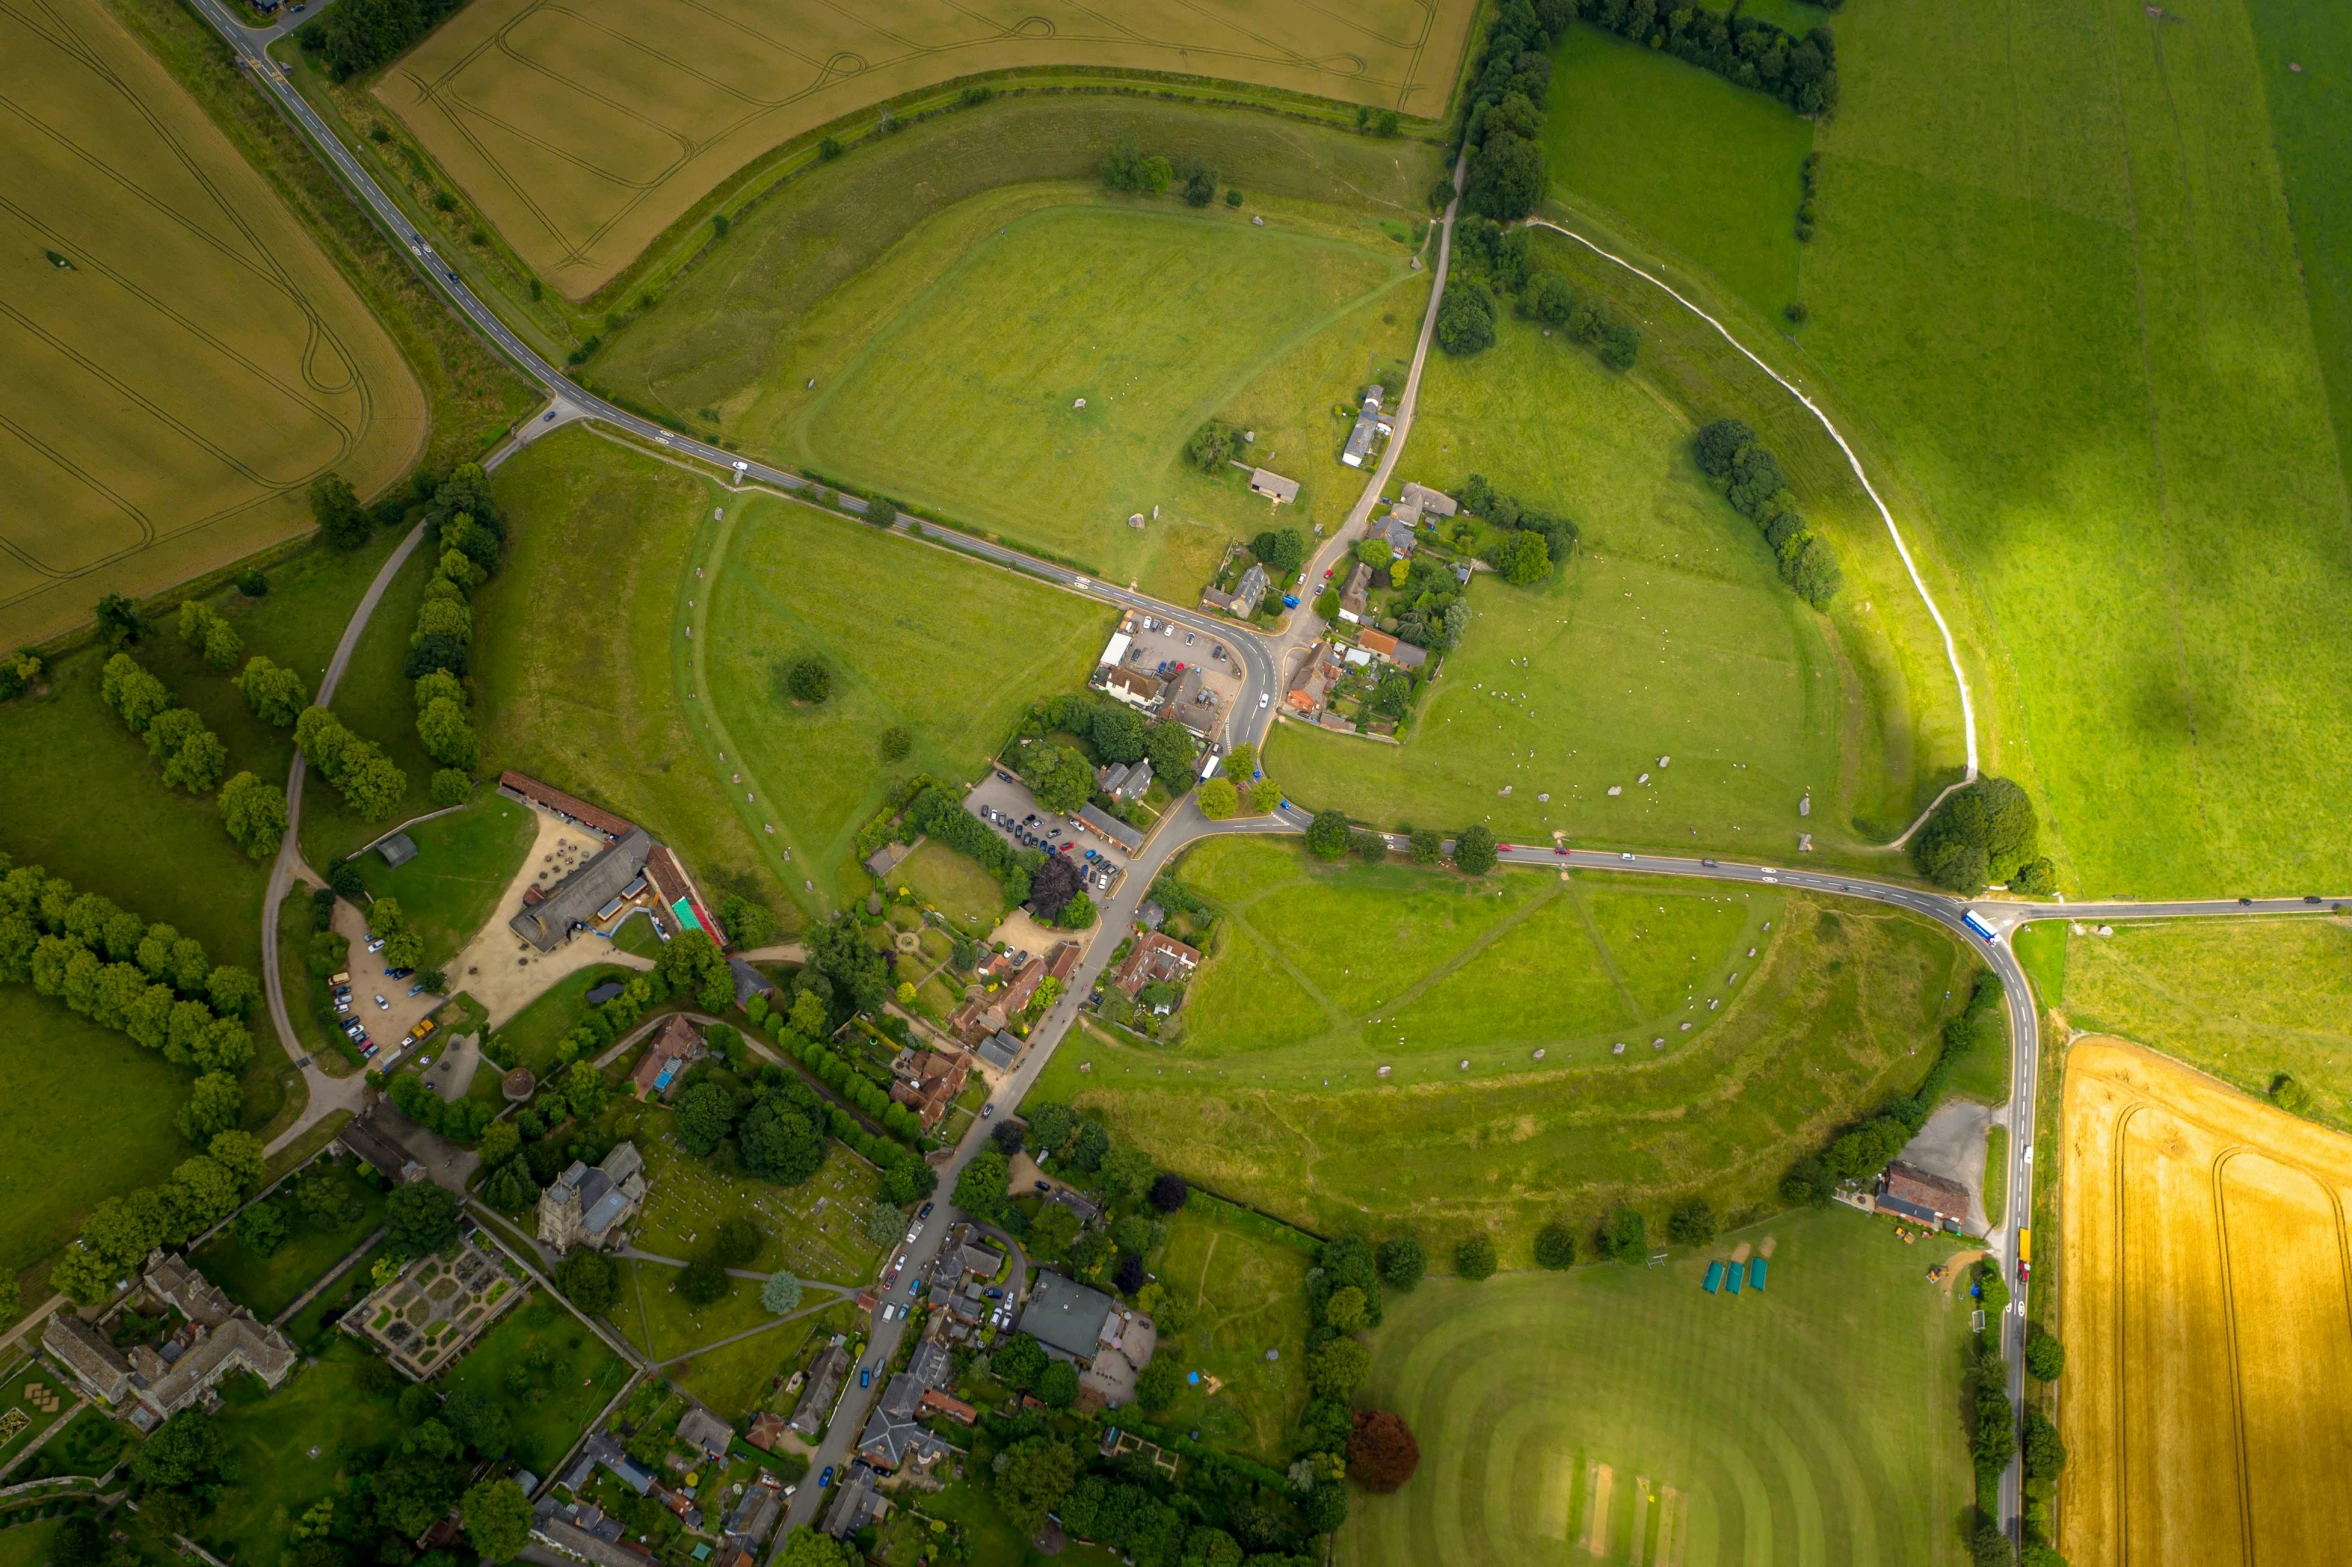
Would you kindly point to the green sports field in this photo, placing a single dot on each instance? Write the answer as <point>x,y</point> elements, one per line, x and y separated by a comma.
<point>183,358</point>
<point>1625,1415</point>
<point>1274,1097</point>
<point>916,637</point>
<point>1052,422</point>
<point>1669,634</point>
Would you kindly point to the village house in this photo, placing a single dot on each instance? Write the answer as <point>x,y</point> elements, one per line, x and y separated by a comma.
<point>1311,688</point>
<point>825,1378</point>
<point>1125,780</point>
<point>1154,960</point>
<point>1420,500</point>
<point>1247,593</point>
<point>677,1046</point>
<point>1398,532</point>
<point>930,1083</point>
<point>587,1206</point>
<point>1073,1321</point>
<point>1371,424</point>
<point>706,1433</point>
<point>1355,594</point>
<point>894,1432</point>
<point>1131,686</point>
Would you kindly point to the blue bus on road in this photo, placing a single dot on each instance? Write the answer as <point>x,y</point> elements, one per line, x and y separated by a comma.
<point>1969,919</point>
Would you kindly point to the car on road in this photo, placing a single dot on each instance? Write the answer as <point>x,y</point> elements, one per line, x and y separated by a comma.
<point>2024,1270</point>
<point>865,1376</point>
<point>1625,856</point>
<point>926,1211</point>
<point>547,416</point>
<point>1561,851</point>
<point>892,1311</point>
<point>417,988</point>
<point>2311,897</point>
<point>826,1478</point>
<point>1710,864</point>
<point>914,1231</point>
<point>2247,902</point>
<point>988,1110</point>
<point>1264,698</point>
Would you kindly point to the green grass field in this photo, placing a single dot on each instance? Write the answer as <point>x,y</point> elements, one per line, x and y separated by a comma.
<point>737,1379</point>
<point>268,1285</point>
<point>1625,1415</point>
<point>584,132</point>
<point>1244,1295</point>
<point>814,1229</point>
<point>725,330</point>
<point>185,358</point>
<point>2307,83</point>
<point>88,1115</point>
<point>1703,166</point>
<point>557,1400</point>
<point>929,388</point>
<point>1273,1096</point>
<point>89,1445</point>
<point>29,1544</point>
<point>534,1032</point>
<point>951,650</point>
<point>323,1405</point>
<point>1667,635</point>
<point>594,704</point>
<point>464,861</point>
<point>955,884</point>
<point>2241,999</point>
<point>2091,351</point>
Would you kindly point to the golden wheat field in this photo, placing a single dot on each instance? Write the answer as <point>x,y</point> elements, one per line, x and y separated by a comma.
<point>181,357</point>
<point>584,128</point>
<point>2206,1287</point>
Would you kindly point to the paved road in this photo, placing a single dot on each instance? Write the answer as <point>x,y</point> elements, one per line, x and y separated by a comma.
<point>1184,826</point>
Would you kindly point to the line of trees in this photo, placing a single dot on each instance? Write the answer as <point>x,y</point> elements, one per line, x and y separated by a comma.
<point>905,1176</point>
<point>1498,261</point>
<point>203,629</point>
<point>462,523</point>
<point>1800,72</point>
<point>1985,833</point>
<point>124,973</point>
<point>371,783</point>
<point>252,811</point>
<point>121,1231</point>
<point>1504,129</point>
<point>1750,477</point>
<point>1533,541</point>
<point>1127,167</point>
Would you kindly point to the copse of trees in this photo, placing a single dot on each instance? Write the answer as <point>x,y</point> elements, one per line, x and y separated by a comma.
<point>202,628</point>
<point>254,812</point>
<point>1750,477</point>
<point>353,39</point>
<point>342,520</point>
<point>193,757</point>
<point>1800,72</point>
<point>1531,542</point>
<point>1127,167</point>
<point>1212,446</point>
<point>275,694</point>
<point>1985,833</point>
<point>1506,259</point>
<point>1466,318</point>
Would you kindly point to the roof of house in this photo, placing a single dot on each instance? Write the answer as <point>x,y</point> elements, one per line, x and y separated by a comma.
<point>1358,583</point>
<point>627,1470</point>
<point>894,1431</point>
<point>1133,684</point>
<point>706,1431</point>
<point>675,887</point>
<point>855,1503</point>
<point>999,1050</point>
<point>398,849</point>
<point>678,1042</point>
<point>817,1394</point>
<point>549,1523</point>
<point>85,1350</point>
<point>1066,1315</point>
<point>766,1428</point>
<point>755,1515</point>
<point>1380,642</point>
<point>571,807</point>
<point>1111,777</point>
<point>1931,1196</point>
<point>378,1147</point>
<point>1410,656</point>
<point>1266,482</point>
<point>1111,827</point>
<point>932,1365</point>
<point>1400,535</point>
<point>1436,502</point>
<point>1154,956</point>
<point>1150,915</point>
<point>575,899</point>
<point>240,1341</point>
<point>1253,582</point>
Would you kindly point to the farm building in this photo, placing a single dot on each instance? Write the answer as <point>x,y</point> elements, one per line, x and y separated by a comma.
<point>1109,828</point>
<point>1273,486</point>
<point>607,886</point>
<point>1915,1194</point>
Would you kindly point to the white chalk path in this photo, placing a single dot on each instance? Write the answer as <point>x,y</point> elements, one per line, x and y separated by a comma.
<point>1951,649</point>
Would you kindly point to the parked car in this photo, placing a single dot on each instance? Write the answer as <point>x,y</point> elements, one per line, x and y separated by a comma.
<point>398,973</point>
<point>865,1376</point>
<point>914,1231</point>
<point>826,1478</point>
<point>1188,639</point>
<point>382,1005</point>
<point>925,1211</point>
<point>367,1050</point>
<point>417,989</point>
<point>892,1311</point>
<point>988,1110</point>
<point>375,944</point>
<point>995,1294</point>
